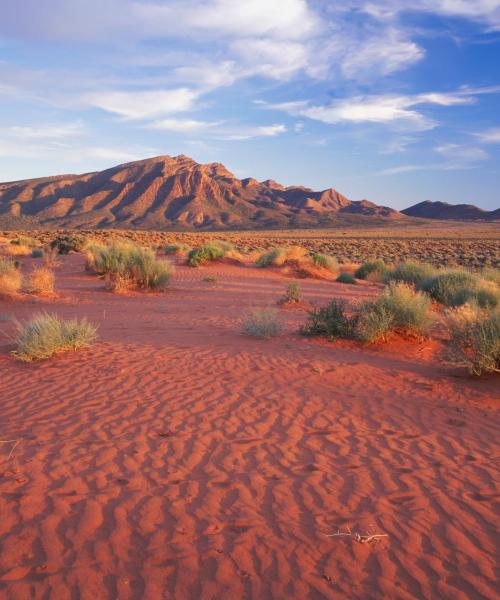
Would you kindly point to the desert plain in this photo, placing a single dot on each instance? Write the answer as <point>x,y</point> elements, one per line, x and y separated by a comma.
<point>177,458</point>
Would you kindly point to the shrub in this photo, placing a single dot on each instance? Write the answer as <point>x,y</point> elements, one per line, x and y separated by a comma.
<point>330,321</point>
<point>372,267</point>
<point>325,261</point>
<point>37,253</point>
<point>346,278</point>
<point>292,294</point>
<point>68,243</point>
<point>47,334</point>
<point>262,323</point>
<point>491,274</point>
<point>474,339</point>
<point>127,265</point>
<point>10,277</point>
<point>400,309</point>
<point>275,257</point>
<point>210,279</point>
<point>457,287</point>
<point>374,323</point>
<point>41,281</point>
<point>410,272</point>
<point>24,240</point>
<point>177,249</point>
<point>207,253</point>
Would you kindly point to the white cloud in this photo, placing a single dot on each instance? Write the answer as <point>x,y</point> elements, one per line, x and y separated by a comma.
<point>61,131</point>
<point>183,125</point>
<point>398,111</point>
<point>490,136</point>
<point>462,154</point>
<point>144,104</point>
<point>247,133</point>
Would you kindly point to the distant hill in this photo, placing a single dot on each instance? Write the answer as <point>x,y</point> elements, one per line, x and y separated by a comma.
<point>443,210</point>
<point>177,193</point>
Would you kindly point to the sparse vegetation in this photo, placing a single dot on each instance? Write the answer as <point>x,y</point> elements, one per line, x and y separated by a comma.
<point>207,253</point>
<point>400,309</point>
<point>346,278</point>
<point>456,287</point>
<point>410,272</point>
<point>371,268</point>
<point>292,294</point>
<point>474,339</point>
<point>275,257</point>
<point>10,277</point>
<point>47,334</point>
<point>177,249</point>
<point>210,279</point>
<point>69,243</point>
<point>41,281</point>
<point>325,261</point>
<point>330,321</point>
<point>126,265</point>
<point>263,323</point>
<point>37,253</point>
<point>23,240</point>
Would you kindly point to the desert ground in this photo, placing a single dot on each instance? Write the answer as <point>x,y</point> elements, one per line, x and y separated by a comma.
<point>177,458</point>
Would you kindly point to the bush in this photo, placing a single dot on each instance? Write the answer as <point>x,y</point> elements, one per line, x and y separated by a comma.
<point>330,321</point>
<point>292,294</point>
<point>491,274</point>
<point>207,253</point>
<point>474,339</point>
<point>210,279</point>
<point>372,267</point>
<point>457,287</point>
<point>346,278</point>
<point>400,309</point>
<point>275,257</point>
<point>177,249</point>
<point>262,323</point>
<point>37,253</point>
<point>24,240</point>
<point>41,281</point>
<point>325,261</point>
<point>10,277</point>
<point>410,272</point>
<point>68,243</point>
<point>127,265</point>
<point>47,334</point>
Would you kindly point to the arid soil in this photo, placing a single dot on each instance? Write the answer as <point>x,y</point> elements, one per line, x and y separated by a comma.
<point>179,459</point>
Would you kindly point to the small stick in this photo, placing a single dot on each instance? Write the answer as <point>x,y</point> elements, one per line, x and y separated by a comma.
<point>15,442</point>
<point>358,537</point>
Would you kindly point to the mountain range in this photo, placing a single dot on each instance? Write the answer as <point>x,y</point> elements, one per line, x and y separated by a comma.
<point>178,193</point>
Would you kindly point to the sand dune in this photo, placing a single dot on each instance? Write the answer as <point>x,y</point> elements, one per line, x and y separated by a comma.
<point>178,459</point>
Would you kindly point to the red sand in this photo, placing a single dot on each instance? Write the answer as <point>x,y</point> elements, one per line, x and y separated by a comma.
<point>178,459</point>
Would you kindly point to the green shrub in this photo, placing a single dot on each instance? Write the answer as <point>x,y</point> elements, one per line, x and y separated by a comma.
<point>374,323</point>
<point>263,323</point>
<point>47,334</point>
<point>272,258</point>
<point>69,243</point>
<point>452,287</point>
<point>375,266</point>
<point>485,295</point>
<point>292,294</point>
<point>207,253</point>
<point>325,261</point>
<point>127,265</point>
<point>37,253</point>
<point>474,339</point>
<point>399,309</point>
<point>491,274</point>
<point>10,277</point>
<point>410,272</point>
<point>176,249</point>
<point>330,321</point>
<point>346,278</point>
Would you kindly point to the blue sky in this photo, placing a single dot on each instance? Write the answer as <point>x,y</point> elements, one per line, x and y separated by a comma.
<point>378,101</point>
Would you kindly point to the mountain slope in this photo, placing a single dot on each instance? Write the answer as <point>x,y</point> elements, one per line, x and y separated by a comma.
<point>443,210</point>
<point>175,192</point>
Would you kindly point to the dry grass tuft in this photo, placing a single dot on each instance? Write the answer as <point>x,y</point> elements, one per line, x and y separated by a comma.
<point>262,323</point>
<point>41,281</point>
<point>11,278</point>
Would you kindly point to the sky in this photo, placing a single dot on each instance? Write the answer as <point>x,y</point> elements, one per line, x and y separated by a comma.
<point>374,98</point>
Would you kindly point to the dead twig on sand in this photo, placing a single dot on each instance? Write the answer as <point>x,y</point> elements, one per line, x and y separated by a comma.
<point>15,442</point>
<point>359,537</point>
